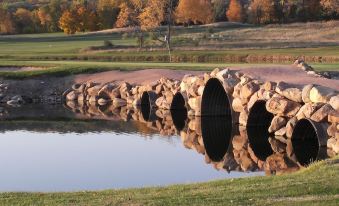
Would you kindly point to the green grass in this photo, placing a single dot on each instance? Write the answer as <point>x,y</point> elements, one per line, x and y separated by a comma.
<point>316,185</point>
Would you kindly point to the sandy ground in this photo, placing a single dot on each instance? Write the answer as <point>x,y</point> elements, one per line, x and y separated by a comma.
<point>290,74</point>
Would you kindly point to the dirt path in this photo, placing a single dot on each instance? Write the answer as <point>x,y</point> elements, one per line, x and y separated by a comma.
<point>276,73</point>
<point>20,69</point>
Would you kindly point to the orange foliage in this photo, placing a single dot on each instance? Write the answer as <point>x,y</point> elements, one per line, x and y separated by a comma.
<point>69,22</point>
<point>235,11</point>
<point>262,11</point>
<point>153,14</point>
<point>196,11</point>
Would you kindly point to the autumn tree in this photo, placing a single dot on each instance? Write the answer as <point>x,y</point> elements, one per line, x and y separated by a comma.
<point>153,14</point>
<point>331,7</point>
<point>6,24</point>
<point>24,20</point>
<point>107,12</point>
<point>262,11</point>
<point>69,22</point>
<point>235,11</point>
<point>196,11</point>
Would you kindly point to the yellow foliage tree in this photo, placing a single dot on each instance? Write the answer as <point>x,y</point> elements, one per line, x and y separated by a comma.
<point>235,11</point>
<point>196,11</point>
<point>154,13</point>
<point>69,22</point>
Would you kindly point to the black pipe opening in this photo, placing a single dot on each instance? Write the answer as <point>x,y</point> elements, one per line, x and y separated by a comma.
<point>179,111</point>
<point>259,120</point>
<point>215,100</point>
<point>217,136</point>
<point>305,142</point>
<point>147,106</point>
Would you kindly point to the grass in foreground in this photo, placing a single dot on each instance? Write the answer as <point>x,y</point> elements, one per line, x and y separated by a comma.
<point>316,185</point>
<point>65,68</point>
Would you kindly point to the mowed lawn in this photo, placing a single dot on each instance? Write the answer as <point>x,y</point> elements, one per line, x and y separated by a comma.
<point>316,185</point>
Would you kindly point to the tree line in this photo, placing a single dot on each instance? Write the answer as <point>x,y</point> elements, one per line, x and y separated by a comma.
<point>71,16</point>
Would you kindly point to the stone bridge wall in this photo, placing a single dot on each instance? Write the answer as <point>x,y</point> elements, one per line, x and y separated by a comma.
<point>288,103</point>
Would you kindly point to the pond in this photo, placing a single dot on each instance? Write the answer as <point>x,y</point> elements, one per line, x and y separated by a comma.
<point>52,148</point>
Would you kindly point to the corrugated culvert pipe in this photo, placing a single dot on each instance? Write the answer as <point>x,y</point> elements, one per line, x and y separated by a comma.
<point>215,101</point>
<point>148,105</point>
<point>217,133</point>
<point>179,110</point>
<point>309,140</point>
<point>259,120</point>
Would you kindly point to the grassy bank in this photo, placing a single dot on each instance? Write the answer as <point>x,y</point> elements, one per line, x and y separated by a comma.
<point>65,68</point>
<point>316,185</point>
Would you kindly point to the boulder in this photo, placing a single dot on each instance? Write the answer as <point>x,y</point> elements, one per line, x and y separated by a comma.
<point>333,117</point>
<point>72,96</point>
<point>280,132</point>
<point>331,130</point>
<point>93,91</point>
<point>159,101</point>
<point>215,72</point>
<point>119,102</point>
<point>282,107</point>
<point>248,90</point>
<point>223,74</point>
<point>334,102</point>
<point>322,113</point>
<point>307,110</point>
<point>102,101</point>
<point>293,94</point>
<point>305,94</point>
<point>243,117</point>
<point>237,105</point>
<point>321,94</point>
<point>277,123</point>
<point>276,145</point>
<point>290,127</point>
<point>195,103</point>
<point>269,86</point>
<point>229,84</point>
<point>201,90</point>
<point>239,142</point>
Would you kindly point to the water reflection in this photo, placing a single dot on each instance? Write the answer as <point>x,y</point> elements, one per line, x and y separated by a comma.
<point>222,145</point>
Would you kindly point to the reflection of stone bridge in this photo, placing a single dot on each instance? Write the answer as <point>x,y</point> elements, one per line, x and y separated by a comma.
<point>224,145</point>
<point>276,111</point>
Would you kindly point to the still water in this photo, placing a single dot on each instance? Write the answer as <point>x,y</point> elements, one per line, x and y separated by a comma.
<point>54,149</point>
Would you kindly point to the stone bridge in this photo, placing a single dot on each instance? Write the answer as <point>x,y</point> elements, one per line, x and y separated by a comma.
<point>285,112</point>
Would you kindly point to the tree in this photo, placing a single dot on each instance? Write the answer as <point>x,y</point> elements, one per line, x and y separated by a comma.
<point>24,21</point>
<point>69,22</point>
<point>331,7</point>
<point>107,12</point>
<point>196,11</point>
<point>153,14</point>
<point>45,18</point>
<point>262,11</point>
<point>219,9</point>
<point>126,16</point>
<point>6,23</point>
<point>235,11</point>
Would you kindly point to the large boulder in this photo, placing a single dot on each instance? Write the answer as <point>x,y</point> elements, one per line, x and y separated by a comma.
<point>321,94</point>
<point>334,102</point>
<point>277,123</point>
<point>290,126</point>
<point>333,117</point>
<point>322,113</point>
<point>248,90</point>
<point>307,110</point>
<point>72,96</point>
<point>237,105</point>
<point>282,107</point>
<point>306,93</point>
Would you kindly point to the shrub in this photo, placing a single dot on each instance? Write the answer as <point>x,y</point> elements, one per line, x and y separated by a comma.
<point>108,43</point>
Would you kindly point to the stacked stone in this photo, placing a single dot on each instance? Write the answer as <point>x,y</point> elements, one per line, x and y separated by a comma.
<point>165,89</point>
<point>192,88</point>
<point>90,93</point>
<point>191,136</point>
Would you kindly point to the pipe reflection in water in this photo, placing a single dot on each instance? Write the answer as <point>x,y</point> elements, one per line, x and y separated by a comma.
<point>305,142</point>
<point>147,105</point>
<point>217,135</point>
<point>259,120</point>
